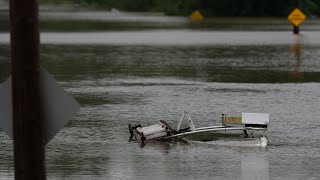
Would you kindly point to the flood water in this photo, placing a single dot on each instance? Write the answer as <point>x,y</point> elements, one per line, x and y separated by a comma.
<point>131,82</point>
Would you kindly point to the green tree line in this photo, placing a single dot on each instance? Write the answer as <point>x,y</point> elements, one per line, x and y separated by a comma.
<point>257,8</point>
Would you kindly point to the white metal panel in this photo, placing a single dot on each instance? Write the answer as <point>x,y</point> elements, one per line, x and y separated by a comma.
<point>57,105</point>
<point>6,107</point>
<point>153,129</point>
<point>255,118</point>
<point>157,135</point>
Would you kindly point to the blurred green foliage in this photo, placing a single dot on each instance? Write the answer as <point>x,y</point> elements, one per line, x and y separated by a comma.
<point>256,8</point>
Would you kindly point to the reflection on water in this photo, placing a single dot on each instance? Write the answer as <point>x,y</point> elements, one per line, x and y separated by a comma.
<point>297,50</point>
<point>254,64</point>
<point>117,16</point>
<point>94,145</point>
<point>257,64</point>
<point>173,38</point>
<point>6,156</point>
<point>255,166</point>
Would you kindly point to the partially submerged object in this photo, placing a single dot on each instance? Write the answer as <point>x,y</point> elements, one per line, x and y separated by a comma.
<point>247,130</point>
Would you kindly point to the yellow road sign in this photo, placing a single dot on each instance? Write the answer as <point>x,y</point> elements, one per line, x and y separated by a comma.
<point>196,15</point>
<point>296,17</point>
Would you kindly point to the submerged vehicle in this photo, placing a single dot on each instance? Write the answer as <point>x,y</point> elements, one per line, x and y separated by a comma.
<point>247,130</point>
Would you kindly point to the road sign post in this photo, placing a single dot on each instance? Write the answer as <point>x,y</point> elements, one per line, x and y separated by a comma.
<point>296,17</point>
<point>29,152</point>
<point>296,29</point>
<point>33,106</point>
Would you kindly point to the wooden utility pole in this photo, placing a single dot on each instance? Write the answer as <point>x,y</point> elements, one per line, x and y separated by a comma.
<point>29,152</point>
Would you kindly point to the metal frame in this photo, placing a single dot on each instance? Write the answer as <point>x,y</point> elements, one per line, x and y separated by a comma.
<point>181,133</point>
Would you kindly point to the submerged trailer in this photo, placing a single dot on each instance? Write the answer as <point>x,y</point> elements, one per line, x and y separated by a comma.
<point>247,130</point>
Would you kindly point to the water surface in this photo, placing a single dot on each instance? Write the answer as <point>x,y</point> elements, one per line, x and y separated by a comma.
<point>119,83</point>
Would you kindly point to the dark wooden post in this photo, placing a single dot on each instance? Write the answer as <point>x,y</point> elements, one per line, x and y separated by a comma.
<point>296,28</point>
<point>29,152</point>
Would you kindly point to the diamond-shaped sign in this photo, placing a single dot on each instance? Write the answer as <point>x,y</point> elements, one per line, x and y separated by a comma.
<point>296,17</point>
<point>196,15</point>
<point>58,106</point>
